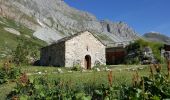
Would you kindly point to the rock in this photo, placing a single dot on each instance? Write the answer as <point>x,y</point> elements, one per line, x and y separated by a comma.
<point>47,35</point>
<point>107,69</point>
<point>59,70</point>
<point>147,56</point>
<point>39,72</point>
<point>13,31</point>
<point>54,19</point>
<point>98,69</point>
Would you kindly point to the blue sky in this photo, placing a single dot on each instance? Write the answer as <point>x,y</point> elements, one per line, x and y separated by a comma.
<point>142,15</point>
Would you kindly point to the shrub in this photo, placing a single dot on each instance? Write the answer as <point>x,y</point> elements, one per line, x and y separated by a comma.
<point>57,89</point>
<point>8,73</point>
<point>135,50</point>
<point>154,87</point>
<point>42,88</point>
<point>26,52</point>
<point>131,61</point>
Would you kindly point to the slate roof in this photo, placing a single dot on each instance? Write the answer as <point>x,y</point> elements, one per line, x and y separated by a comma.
<point>72,36</point>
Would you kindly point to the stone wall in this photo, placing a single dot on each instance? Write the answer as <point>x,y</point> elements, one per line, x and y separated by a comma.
<point>53,55</point>
<point>80,46</point>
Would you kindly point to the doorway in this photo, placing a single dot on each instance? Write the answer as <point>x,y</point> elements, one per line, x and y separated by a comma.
<point>87,62</point>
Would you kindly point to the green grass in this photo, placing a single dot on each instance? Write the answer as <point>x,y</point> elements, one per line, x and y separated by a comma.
<point>119,76</point>
<point>6,89</point>
<point>117,71</point>
<point>9,41</point>
<point>122,76</point>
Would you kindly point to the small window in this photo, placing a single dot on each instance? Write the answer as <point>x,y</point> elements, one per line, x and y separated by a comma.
<point>87,48</point>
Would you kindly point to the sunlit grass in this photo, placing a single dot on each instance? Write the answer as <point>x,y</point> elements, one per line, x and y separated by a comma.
<point>123,76</point>
<point>5,89</point>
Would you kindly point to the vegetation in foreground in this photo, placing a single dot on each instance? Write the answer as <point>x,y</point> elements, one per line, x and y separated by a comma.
<point>9,73</point>
<point>102,85</point>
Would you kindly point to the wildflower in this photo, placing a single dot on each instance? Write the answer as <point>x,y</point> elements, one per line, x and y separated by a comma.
<point>135,79</point>
<point>15,98</point>
<point>168,66</point>
<point>157,68</point>
<point>143,87</point>
<point>6,66</point>
<point>110,78</point>
<point>23,79</point>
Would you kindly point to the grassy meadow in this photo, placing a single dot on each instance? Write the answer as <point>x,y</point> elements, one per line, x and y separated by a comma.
<point>121,74</point>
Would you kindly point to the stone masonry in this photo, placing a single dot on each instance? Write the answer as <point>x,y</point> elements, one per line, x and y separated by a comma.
<point>82,49</point>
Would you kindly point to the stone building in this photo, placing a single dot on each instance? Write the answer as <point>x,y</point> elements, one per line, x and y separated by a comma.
<point>115,55</point>
<point>82,49</point>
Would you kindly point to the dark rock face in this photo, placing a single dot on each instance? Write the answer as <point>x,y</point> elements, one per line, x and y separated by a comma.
<point>57,16</point>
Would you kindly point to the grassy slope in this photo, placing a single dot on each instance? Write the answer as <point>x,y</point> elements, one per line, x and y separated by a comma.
<point>9,41</point>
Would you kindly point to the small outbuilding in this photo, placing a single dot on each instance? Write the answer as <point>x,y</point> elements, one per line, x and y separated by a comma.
<point>115,55</point>
<point>167,51</point>
<point>83,49</point>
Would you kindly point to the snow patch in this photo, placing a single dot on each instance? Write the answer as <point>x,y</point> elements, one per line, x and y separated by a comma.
<point>13,31</point>
<point>39,22</point>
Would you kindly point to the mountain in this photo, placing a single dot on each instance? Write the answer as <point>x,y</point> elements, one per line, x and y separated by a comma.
<point>157,37</point>
<point>50,20</point>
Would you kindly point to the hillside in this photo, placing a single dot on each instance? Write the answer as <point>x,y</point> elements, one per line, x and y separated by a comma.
<point>11,33</point>
<point>157,37</point>
<point>53,19</point>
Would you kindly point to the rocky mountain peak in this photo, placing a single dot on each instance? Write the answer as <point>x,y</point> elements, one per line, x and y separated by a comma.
<point>54,19</point>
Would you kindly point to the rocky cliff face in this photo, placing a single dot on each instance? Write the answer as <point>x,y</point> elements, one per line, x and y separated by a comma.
<point>54,19</point>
